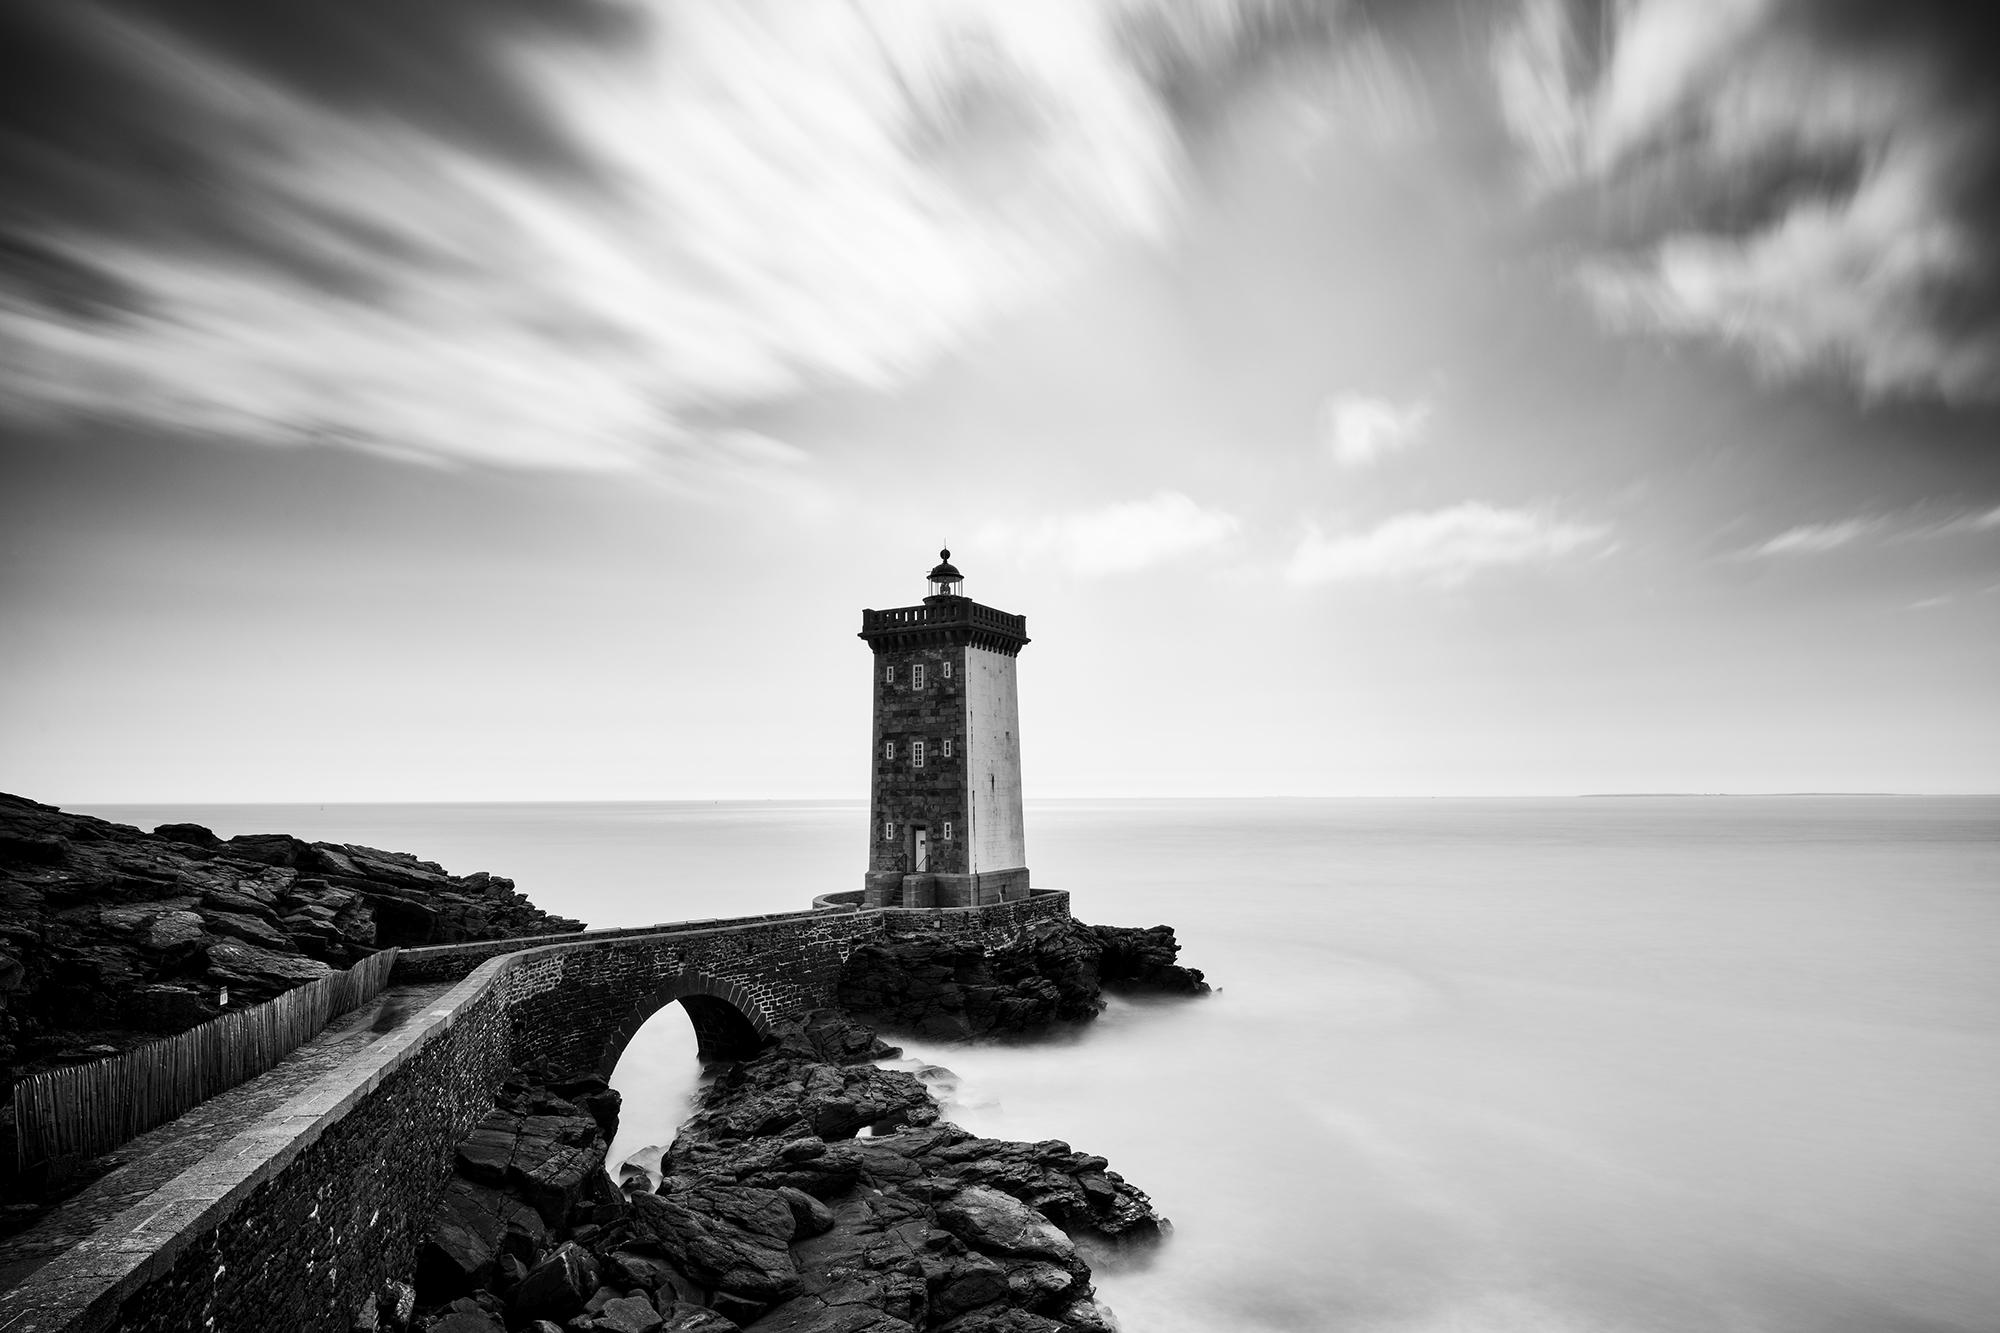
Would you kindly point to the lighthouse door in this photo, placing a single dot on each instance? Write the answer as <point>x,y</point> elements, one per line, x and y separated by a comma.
<point>920,857</point>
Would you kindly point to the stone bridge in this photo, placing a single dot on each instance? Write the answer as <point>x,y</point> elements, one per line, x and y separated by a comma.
<point>294,1220</point>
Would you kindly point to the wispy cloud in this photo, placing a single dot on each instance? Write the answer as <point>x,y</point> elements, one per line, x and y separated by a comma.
<point>1811,184</point>
<point>1359,430</point>
<point>1907,526</point>
<point>1117,538</point>
<point>1810,538</point>
<point>598,227</point>
<point>1445,547</point>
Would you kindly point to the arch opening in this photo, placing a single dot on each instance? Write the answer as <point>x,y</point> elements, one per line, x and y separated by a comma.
<point>657,1061</point>
<point>728,1022</point>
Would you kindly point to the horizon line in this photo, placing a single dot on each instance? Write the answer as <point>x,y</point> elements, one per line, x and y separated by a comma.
<point>78,802</point>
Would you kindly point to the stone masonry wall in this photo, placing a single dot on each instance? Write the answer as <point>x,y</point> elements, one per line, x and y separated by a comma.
<point>581,1019</point>
<point>329,1224</point>
<point>993,923</point>
<point>935,794</point>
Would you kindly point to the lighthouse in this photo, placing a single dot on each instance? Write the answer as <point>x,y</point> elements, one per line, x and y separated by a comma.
<point>944,806</point>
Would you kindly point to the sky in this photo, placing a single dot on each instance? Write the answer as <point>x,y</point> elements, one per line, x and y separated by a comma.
<point>520,399</point>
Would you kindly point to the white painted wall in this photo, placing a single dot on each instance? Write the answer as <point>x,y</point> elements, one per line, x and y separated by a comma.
<point>993,762</point>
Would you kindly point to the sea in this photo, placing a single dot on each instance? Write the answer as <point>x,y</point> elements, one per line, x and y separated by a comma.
<point>1593,1065</point>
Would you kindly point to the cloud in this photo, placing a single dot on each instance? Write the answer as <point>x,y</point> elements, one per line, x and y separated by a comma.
<point>1910,525</point>
<point>1360,430</point>
<point>1815,537</point>
<point>1118,538</point>
<point>564,234</point>
<point>1817,186</point>
<point>1979,521</point>
<point>1444,547</point>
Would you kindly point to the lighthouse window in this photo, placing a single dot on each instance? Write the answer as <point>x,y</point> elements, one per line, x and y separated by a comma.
<point>889,674</point>
<point>947,671</point>
<point>888,749</point>
<point>947,830</point>
<point>916,754</point>
<point>917,676</point>
<point>888,830</point>
<point>947,748</point>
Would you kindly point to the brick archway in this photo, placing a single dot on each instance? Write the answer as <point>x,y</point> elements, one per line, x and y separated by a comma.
<point>730,1023</point>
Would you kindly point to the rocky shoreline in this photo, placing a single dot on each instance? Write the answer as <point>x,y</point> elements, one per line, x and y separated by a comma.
<point>111,937</point>
<point>810,1192</point>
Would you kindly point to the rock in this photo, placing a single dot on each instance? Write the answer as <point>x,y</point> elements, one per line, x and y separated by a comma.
<point>725,1237</point>
<point>168,1009</point>
<point>244,897</point>
<point>174,932</point>
<point>474,1224</point>
<point>778,1094</point>
<point>271,849</point>
<point>557,1287</point>
<point>687,1318</point>
<point>235,964</point>
<point>1143,960</point>
<point>840,1311</point>
<point>193,834</point>
<point>466,1321</point>
<point>243,926</point>
<point>1002,1320</point>
<point>1001,1224</point>
<point>810,1217</point>
<point>40,849</point>
<point>628,1314</point>
<point>630,1269</point>
<point>1087,1316</point>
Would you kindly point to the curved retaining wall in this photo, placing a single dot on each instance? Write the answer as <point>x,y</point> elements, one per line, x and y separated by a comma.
<point>292,1224</point>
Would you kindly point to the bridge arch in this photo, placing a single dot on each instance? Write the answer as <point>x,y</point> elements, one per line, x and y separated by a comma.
<point>730,1022</point>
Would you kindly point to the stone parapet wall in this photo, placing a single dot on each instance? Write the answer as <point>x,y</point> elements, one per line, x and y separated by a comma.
<point>449,962</point>
<point>289,1225</point>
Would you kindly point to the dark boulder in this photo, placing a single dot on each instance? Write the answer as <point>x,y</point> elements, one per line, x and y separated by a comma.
<point>475,1225</point>
<point>557,1287</point>
<point>1142,960</point>
<point>194,835</point>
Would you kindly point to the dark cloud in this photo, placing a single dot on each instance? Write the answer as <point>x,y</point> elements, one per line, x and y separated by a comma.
<point>60,283</point>
<point>439,64</point>
<point>1818,184</point>
<point>132,119</point>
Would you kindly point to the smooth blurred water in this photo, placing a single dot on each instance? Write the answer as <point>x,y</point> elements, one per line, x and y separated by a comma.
<point>1611,1064</point>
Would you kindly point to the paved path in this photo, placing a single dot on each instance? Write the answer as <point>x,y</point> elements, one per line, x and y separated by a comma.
<point>162,1153</point>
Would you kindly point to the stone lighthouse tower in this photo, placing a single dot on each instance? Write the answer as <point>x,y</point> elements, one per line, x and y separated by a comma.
<point>944,804</point>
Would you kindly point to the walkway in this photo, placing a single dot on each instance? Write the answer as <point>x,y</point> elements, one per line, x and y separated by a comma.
<point>162,1153</point>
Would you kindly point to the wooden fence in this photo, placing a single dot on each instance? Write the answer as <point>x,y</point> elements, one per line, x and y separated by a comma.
<point>89,1109</point>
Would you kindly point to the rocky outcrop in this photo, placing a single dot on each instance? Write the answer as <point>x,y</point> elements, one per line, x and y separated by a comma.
<point>110,936</point>
<point>1136,960</point>
<point>1054,973</point>
<point>773,1215</point>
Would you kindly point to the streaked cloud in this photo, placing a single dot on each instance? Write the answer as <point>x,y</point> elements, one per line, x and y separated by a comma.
<point>1817,186</point>
<point>1360,430</point>
<point>1909,525</point>
<point>1118,538</point>
<point>600,226</point>
<point>1445,547</point>
<point>1810,538</point>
